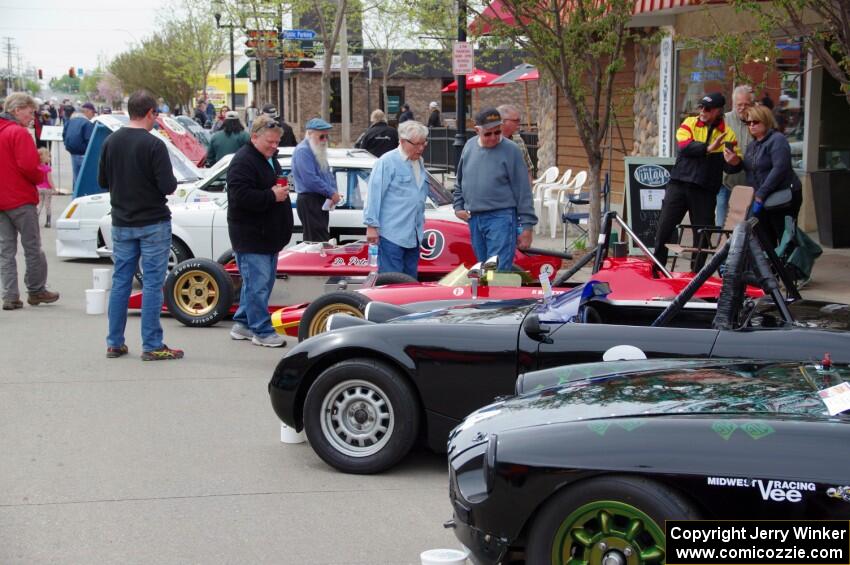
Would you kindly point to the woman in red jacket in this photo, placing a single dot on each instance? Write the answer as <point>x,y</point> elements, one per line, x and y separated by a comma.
<point>18,200</point>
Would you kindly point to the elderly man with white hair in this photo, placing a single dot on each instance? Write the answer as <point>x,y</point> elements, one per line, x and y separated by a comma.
<point>314,181</point>
<point>395,210</point>
<point>742,101</point>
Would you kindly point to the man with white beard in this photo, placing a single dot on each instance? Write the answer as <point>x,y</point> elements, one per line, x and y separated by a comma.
<point>314,181</point>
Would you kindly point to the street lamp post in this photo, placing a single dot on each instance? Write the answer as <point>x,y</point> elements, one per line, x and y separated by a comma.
<point>460,128</point>
<point>218,7</point>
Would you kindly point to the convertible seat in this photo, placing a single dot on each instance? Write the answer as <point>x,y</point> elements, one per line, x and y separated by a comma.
<point>708,239</point>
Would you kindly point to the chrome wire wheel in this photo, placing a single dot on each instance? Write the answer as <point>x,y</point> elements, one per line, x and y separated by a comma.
<point>196,292</point>
<point>357,418</point>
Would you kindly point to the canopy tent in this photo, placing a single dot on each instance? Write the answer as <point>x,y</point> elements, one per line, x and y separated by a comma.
<point>478,79</point>
<point>521,73</point>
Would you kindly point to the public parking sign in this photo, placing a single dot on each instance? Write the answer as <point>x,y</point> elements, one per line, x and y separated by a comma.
<point>298,34</point>
<point>463,60</point>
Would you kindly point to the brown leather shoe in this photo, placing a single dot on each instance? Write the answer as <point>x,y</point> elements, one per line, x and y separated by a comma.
<point>42,297</point>
<point>12,304</point>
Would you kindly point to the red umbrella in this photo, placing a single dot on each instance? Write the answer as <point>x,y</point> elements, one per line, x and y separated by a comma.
<point>478,79</point>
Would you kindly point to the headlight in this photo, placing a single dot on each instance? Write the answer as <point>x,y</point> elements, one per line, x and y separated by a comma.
<point>475,470</point>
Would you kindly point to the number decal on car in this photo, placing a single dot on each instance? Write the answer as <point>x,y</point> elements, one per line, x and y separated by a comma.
<point>432,245</point>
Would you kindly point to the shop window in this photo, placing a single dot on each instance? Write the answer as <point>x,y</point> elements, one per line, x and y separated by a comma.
<point>336,100</point>
<point>392,107</point>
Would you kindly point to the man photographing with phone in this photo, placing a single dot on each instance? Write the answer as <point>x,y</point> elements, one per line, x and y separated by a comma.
<point>698,173</point>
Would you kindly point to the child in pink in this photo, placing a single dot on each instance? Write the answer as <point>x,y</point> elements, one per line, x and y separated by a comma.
<point>45,187</point>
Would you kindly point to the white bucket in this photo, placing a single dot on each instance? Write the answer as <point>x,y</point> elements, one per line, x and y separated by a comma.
<point>289,435</point>
<point>102,279</point>
<point>95,301</point>
<point>444,557</point>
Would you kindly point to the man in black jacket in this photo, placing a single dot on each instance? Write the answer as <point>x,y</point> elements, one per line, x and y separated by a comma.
<point>259,221</point>
<point>380,137</point>
<point>135,167</point>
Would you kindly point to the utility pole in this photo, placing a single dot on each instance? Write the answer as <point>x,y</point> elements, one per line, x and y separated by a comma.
<point>460,128</point>
<point>343,82</point>
<point>8,49</point>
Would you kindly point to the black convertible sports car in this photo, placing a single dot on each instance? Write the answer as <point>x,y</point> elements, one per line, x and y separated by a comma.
<point>587,466</point>
<point>365,394</point>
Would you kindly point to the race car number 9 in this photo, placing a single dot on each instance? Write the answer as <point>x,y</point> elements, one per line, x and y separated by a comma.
<point>432,246</point>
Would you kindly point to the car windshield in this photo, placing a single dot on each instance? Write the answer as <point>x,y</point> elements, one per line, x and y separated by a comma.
<point>563,308</point>
<point>438,193</point>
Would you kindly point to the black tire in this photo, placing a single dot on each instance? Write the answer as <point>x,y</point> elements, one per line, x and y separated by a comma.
<point>732,292</point>
<point>226,257</point>
<point>177,253</point>
<point>393,278</point>
<point>198,292</point>
<point>623,498</point>
<point>355,389</point>
<point>316,315</point>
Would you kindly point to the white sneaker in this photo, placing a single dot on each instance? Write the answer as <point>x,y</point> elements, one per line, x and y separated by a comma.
<point>238,331</point>
<point>271,340</point>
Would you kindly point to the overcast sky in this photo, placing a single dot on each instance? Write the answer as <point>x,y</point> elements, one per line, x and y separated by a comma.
<point>58,34</point>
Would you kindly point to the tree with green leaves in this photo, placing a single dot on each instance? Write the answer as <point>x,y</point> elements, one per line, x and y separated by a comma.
<point>579,45</point>
<point>65,83</point>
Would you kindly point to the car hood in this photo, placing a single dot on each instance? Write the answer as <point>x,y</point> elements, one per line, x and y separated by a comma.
<point>509,312</point>
<point>625,390</point>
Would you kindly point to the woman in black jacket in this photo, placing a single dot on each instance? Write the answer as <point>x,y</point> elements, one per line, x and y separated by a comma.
<point>768,166</point>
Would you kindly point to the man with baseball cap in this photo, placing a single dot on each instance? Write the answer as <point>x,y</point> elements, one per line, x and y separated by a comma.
<point>493,194</point>
<point>76,136</point>
<point>698,173</point>
<point>287,138</point>
<point>314,181</point>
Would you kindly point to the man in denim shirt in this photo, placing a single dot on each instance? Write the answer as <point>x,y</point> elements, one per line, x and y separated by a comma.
<point>395,209</point>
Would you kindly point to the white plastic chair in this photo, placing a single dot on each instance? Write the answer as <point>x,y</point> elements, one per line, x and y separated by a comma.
<point>548,177</point>
<point>558,198</point>
<point>542,194</point>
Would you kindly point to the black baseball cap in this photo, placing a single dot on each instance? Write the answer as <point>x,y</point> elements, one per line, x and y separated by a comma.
<point>713,100</point>
<point>488,118</point>
<point>271,110</point>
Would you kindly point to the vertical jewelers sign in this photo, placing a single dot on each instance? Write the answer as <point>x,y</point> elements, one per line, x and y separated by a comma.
<point>665,98</point>
<point>463,58</point>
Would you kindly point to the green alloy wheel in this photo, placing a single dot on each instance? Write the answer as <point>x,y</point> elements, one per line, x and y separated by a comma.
<point>608,532</point>
<point>611,520</point>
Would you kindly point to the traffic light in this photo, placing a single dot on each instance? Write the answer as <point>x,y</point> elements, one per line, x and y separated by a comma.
<point>72,72</point>
<point>40,74</point>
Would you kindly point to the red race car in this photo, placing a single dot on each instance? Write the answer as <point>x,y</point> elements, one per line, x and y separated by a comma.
<point>200,292</point>
<point>631,279</point>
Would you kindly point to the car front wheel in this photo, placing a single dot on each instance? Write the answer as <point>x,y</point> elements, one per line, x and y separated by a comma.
<point>361,416</point>
<point>198,292</point>
<point>606,520</point>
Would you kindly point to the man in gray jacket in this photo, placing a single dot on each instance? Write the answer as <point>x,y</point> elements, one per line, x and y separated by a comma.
<point>493,194</point>
<point>742,101</point>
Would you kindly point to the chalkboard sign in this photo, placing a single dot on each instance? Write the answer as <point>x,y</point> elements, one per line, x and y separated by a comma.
<point>646,180</point>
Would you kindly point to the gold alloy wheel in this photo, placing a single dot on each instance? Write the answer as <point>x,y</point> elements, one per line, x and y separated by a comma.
<point>320,320</point>
<point>196,293</point>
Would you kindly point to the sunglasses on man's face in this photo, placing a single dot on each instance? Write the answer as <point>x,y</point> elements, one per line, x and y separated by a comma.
<point>272,125</point>
<point>491,133</point>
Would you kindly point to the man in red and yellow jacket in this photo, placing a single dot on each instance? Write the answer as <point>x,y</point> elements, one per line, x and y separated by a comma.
<point>19,175</point>
<point>698,173</point>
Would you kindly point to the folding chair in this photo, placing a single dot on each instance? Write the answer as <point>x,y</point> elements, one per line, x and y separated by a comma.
<point>708,239</point>
<point>537,189</point>
<point>571,216</point>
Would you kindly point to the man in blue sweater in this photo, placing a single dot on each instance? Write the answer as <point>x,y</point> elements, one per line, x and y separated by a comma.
<point>493,194</point>
<point>314,181</point>
<point>76,136</point>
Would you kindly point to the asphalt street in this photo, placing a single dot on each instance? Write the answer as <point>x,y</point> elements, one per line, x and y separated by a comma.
<point>124,461</point>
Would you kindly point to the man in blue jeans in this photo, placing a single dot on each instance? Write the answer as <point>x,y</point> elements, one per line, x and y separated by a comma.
<point>135,167</point>
<point>395,210</point>
<point>259,222</point>
<point>493,194</point>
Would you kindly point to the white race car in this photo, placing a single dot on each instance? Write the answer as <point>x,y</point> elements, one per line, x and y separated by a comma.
<point>199,223</point>
<point>77,231</point>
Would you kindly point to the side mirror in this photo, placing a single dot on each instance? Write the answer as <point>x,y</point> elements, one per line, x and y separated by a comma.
<point>475,272</point>
<point>534,329</point>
